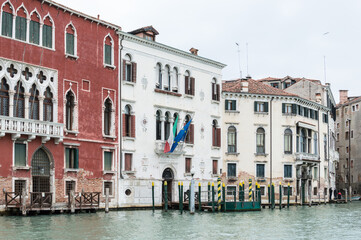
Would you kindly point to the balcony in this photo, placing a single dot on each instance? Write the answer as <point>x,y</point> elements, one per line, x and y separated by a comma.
<point>301,156</point>
<point>33,128</point>
<point>159,148</point>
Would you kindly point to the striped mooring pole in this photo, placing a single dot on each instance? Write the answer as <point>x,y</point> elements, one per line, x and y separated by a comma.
<point>219,194</point>
<point>212,196</point>
<point>153,196</point>
<point>240,192</point>
<point>250,190</point>
<point>280,190</point>
<point>224,196</point>
<point>181,198</point>
<point>288,195</point>
<point>165,196</point>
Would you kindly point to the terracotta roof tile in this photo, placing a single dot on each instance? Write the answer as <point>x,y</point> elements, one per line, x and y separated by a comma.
<point>254,87</point>
<point>270,79</point>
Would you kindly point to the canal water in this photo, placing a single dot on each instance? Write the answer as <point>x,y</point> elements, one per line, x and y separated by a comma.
<point>318,222</point>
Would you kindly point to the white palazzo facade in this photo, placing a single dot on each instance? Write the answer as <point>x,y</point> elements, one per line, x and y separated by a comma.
<point>159,85</point>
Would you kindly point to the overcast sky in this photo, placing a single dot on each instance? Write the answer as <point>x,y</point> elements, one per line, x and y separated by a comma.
<point>285,37</point>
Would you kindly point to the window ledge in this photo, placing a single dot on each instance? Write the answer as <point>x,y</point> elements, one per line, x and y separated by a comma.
<point>109,66</point>
<point>215,175</point>
<point>232,153</point>
<point>232,178</point>
<point>188,174</point>
<point>129,139</point>
<point>288,179</point>
<point>167,92</point>
<point>261,113</point>
<point>188,96</point>
<point>129,172</point>
<point>189,144</point>
<point>216,147</point>
<point>67,55</point>
<point>260,179</point>
<point>109,172</point>
<point>109,136</point>
<point>25,168</point>
<point>216,102</point>
<point>289,114</point>
<point>261,154</point>
<point>125,82</point>
<point>71,170</point>
<point>71,132</point>
<point>232,111</point>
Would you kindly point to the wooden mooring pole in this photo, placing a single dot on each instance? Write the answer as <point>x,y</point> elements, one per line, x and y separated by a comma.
<point>212,197</point>
<point>199,197</point>
<point>280,195</point>
<point>288,195</point>
<point>23,202</point>
<point>153,196</point>
<point>165,196</point>
<point>181,198</point>
<point>72,201</point>
<point>106,200</point>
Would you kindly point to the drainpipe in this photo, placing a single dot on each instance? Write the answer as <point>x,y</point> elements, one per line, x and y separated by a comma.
<point>270,111</point>
<point>120,130</point>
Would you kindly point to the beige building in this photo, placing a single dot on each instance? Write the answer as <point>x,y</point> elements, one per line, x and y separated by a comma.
<point>274,136</point>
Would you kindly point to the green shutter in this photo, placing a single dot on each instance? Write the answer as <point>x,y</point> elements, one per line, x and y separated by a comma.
<point>7,24</point>
<point>20,155</point>
<point>47,36</point>
<point>283,107</point>
<point>17,27</point>
<point>316,115</point>
<point>255,106</point>
<point>20,28</point>
<point>70,44</point>
<point>234,105</point>
<point>294,108</point>
<point>67,157</point>
<point>76,159</point>
<point>108,54</point>
<point>266,107</point>
<point>34,32</point>
<point>226,105</point>
<point>108,161</point>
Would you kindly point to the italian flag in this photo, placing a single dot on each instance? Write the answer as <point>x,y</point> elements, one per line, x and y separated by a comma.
<point>170,140</point>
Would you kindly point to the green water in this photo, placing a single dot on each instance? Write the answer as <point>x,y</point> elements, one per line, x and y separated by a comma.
<point>318,222</point>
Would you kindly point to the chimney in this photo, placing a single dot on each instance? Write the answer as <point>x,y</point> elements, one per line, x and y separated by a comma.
<point>244,85</point>
<point>318,98</point>
<point>98,16</point>
<point>194,51</point>
<point>343,96</point>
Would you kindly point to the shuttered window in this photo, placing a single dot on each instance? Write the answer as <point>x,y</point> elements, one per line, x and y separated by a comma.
<point>215,167</point>
<point>108,161</point>
<point>70,44</point>
<point>188,165</point>
<point>260,170</point>
<point>231,171</point>
<point>107,54</point>
<point>230,105</point>
<point>261,107</point>
<point>287,171</point>
<point>72,158</point>
<point>34,32</point>
<point>20,155</point>
<point>128,161</point>
<point>7,24</point>
<point>47,36</point>
<point>20,28</point>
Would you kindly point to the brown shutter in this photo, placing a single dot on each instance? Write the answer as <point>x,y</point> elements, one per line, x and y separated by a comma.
<point>218,92</point>
<point>132,125</point>
<point>191,132</point>
<point>192,86</point>
<point>215,166</point>
<point>186,79</point>
<point>218,137</point>
<point>128,162</point>
<point>213,137</point>
<point>124,124</point>
<point>124,69</point>
<point>213,91</point>
<point>134,72</point>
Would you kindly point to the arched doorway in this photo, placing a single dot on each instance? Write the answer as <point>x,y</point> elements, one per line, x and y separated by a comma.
<point>40,171</point>
<point>168,176</point>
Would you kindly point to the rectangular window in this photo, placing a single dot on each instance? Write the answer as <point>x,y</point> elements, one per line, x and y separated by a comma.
<point>287,108</point>
<point>128,72</point>
<point>20,28</point>
<point>7,24</point>
<point>107,54</point>
<point>128,161</point>
<point>215,167</point>
<point>351,133</point>
<point>285,191</point>
<point>315,172</point>
<point>69,186</point>
<point>72,158</point>
<point>108,161</point>
<point>231,171</point>
<point>260,170</point>
<point>346,135</point>
<point>231,190</point>
<point>263,190</point>
<point>108,185</point>
<point>231,105</point>
<point>20,155</point>
<point>315,190</point>
<point>19,185</point>
<point>47,36</point>
<point>34,32</point>
<point>325,118</point>
<point>287,171</point>
<point>70,44</point>
<point>188,165</point>
<point>261,107</point>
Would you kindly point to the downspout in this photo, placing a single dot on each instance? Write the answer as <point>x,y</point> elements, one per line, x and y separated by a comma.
<point>270,108</point>
<point>120,130</point>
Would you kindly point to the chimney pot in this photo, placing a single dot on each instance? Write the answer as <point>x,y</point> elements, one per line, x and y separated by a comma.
<point>343,96</point>
<point>194,51</point>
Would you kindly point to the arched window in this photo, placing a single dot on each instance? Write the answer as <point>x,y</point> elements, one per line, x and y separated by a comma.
<point>159,76</point>
<point>288,141</point>
<point>21,24</point>
<point>34,29</point>
<point>48,106</point>
<point>260,141</point>
<point>48,33</point>
<point>70,40</point>
<point>70,104</point>
<point>167,86</point>
<point>187,83</point>
<point>7,20</point>
<point>127,119</point>
<point>108,51</point>
<point>190,134</point>
<point>158,126</point>
<point>107,116</point>
<point>215,90</point>
<point>303,140</point>
<point>167,125</point>
<point>127,68</point>
<point>315,146</point>
<point>19,102</point>
<point>175,80</point>
<point>4,98</point>
<point>232,139</point>
<point>216,134</point>
<point>175,117</point>
<point>34,103</point>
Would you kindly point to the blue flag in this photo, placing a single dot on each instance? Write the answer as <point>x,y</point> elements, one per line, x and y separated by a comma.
<point>180,136</point>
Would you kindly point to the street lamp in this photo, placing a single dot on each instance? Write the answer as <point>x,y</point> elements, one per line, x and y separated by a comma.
<point>191,198</point>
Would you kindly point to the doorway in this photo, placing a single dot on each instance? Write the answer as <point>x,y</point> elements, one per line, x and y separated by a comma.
<point>40,172</point>
<point>168,176</point>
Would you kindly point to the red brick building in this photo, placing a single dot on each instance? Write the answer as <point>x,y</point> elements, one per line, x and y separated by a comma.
<point>59,90</point>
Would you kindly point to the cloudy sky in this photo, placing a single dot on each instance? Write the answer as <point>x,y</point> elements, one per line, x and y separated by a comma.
<point>285,37</point>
